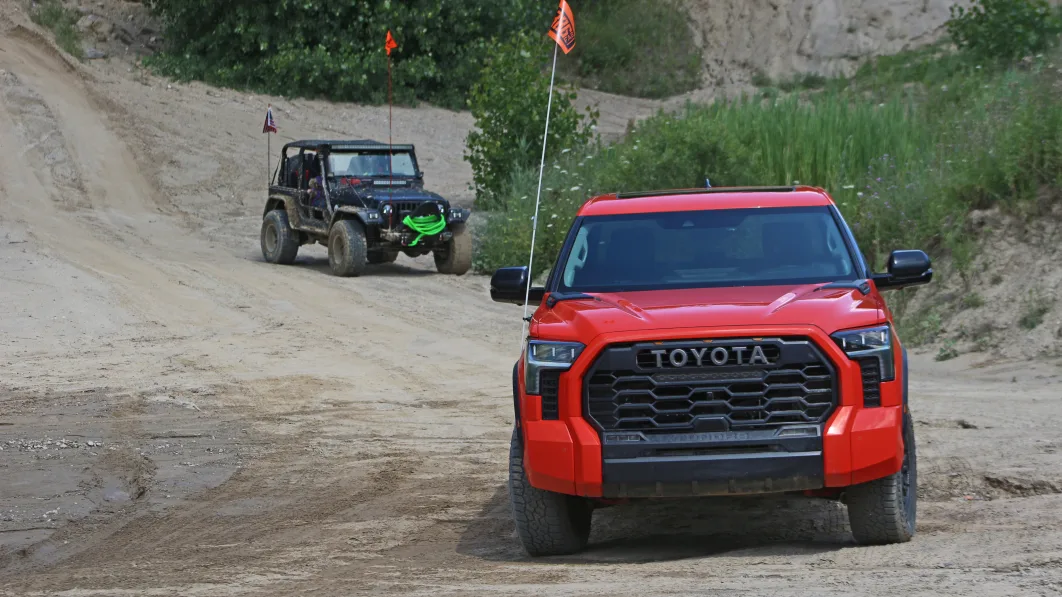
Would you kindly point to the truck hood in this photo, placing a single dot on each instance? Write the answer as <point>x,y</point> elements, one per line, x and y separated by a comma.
<point>827,308</point>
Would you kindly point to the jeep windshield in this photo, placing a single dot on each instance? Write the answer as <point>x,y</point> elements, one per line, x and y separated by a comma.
<point>710,248</point>
<point>369,164</point>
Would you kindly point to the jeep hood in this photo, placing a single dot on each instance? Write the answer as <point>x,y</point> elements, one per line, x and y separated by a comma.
<point>827,308</point>
<point>400,193</point>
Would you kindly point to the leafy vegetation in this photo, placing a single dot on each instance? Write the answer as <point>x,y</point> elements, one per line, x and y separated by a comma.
<point>62,22</point>
<point>1004,29</point>
<point>335,50</point>
<point>509,104</point>
<point>635,48</point>
<point>972,301</point>
<point>1035,307</point>
<point>921,328</point>
<point>947,352</point>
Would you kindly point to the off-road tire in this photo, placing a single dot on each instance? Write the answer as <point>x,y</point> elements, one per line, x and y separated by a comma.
<point>347,249</point>
<point>456,257</point>
<point>884,510</point>
<point>377,257</point>
<point>549,524</point>
<point>280,245</point>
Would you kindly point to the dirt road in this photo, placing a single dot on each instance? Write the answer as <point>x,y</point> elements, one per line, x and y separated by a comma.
<point>179,418</point>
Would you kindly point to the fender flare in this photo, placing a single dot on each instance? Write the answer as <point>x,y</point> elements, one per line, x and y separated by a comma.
<point>366,217</point>
<point>906,409</point>
<point>516,398</point>
<point>905,379</point>
<point>274,203</point>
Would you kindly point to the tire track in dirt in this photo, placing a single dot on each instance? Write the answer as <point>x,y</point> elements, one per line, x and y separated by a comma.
<point>364,488</point>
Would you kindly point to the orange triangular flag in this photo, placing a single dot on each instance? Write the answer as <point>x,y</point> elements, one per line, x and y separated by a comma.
<point>390,45</point>
<point>563,30</point>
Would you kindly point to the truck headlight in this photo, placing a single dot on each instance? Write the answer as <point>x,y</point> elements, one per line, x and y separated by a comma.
<point>543,354</point>
<point>875,343</point>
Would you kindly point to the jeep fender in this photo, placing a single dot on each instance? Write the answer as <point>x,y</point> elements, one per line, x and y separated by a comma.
<point>458,215</point>
<point>367,217</point>
<point>275,203</point>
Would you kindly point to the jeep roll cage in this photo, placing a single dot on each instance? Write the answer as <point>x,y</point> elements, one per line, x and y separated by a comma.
<point>322,149</point>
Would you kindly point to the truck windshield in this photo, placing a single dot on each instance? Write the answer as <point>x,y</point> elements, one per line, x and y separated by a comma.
<point>710,248</point>
<point>366,164</point>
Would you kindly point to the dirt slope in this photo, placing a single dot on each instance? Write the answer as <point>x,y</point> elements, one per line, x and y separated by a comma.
<point>179,418</point>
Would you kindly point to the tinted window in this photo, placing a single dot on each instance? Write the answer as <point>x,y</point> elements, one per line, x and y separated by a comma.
<point>707,248</point>
<point>368,164</point>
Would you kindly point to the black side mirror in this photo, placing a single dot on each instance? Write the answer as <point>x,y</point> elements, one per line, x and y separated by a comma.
<point>906,268</point>
<point>509,285</point>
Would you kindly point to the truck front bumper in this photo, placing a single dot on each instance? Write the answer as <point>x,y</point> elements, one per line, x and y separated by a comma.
<point>856,444</point>
<point>638,466</point>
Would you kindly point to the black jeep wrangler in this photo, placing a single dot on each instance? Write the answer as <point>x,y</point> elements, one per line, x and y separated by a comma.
<point>366,202</point>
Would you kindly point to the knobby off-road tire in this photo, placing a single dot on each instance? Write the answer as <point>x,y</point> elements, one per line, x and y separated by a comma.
<point>549,524</point>
<point>279,243</point>
<point>456,257</point>
<point>884,510</point>
<point>347,249</point>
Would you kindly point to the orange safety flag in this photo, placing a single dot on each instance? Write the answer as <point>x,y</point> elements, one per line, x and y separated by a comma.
<point>390,45</point>
<point>563,30</point>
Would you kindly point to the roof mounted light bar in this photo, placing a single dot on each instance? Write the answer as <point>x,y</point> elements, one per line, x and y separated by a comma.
<point>678,192</point>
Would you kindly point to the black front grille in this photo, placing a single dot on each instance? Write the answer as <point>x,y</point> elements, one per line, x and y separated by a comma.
<point>721,385</point>
<point>871,370</point>
<point>549,387</point>
<point>405,207</point>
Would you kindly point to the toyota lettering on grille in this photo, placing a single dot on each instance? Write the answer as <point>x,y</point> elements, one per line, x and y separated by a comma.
<point>720,355</point>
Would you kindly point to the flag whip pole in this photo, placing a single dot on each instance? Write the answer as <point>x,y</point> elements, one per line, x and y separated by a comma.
<point>390,137</point>
<point>538,197</point>
<point>389,45</point>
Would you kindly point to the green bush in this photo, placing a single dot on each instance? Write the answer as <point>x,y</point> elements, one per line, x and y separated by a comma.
<point>509,104</point>
<point>632,47</point>
<point>1004,29</point>
<point>335,50</point>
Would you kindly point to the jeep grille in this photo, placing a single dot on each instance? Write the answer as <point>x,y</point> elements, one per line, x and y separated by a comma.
<point>629,388</point>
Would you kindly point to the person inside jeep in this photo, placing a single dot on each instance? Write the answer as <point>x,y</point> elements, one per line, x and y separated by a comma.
<point>315,183</point>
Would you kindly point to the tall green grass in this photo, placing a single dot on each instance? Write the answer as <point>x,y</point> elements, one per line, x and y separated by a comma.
<point>904,165</point>
<point>62,22</point>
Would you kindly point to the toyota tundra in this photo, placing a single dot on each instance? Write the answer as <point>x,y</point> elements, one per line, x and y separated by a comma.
<point>710,342</point>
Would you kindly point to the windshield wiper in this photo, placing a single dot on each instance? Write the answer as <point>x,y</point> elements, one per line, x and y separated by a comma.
<point>860,285</point>
<point>557,297</point>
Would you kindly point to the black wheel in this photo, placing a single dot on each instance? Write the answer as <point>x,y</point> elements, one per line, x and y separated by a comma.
<point>456,257</point>
<point>548,523</point>
<point>346,248</point>
<point>279,243</point>
<point>884,510</point>
<point>381,256</point>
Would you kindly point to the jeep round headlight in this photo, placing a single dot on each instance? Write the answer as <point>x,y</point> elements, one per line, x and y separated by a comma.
<point>875,342</point>
<point>543,354</point>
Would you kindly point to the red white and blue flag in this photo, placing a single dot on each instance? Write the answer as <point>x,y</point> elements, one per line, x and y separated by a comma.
<point>270,126</point>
